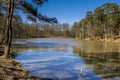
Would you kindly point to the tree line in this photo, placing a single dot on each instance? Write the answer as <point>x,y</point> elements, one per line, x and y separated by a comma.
<point>102,23</point>
<point>24,29</point>
<point>38,30</point>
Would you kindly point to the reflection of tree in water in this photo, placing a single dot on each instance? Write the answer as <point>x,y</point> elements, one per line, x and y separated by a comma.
<point>109,66</point>
<point>106,65</point>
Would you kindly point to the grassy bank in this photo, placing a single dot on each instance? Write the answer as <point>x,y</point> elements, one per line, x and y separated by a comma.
<point>105,40</point>
<point>11,70</point>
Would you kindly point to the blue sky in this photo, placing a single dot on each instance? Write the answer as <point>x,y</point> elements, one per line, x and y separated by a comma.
<point>70,11</point>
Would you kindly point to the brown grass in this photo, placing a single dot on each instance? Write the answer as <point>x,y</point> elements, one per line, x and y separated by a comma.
<point>11,70</point>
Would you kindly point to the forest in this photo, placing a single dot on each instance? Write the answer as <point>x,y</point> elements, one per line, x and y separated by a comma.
<point>39,30</point>
<point>102,23</point>
<point>34,26</point>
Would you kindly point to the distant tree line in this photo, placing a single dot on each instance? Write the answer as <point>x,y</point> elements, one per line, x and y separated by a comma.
<point>40,30</point>
<point>102,23</point>
<point>24,29</point>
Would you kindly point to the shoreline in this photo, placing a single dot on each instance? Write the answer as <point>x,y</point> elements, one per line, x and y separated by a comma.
<point>12,70</point>
<point>104,40</point>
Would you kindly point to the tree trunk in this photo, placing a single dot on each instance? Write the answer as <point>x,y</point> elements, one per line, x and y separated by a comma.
<point>9,29</point>
<point>90,30</point>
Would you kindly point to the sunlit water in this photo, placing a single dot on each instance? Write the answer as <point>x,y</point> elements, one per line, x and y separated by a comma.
<point>68,59</point>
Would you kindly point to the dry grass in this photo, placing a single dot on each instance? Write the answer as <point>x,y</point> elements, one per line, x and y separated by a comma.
<point>11,70</point>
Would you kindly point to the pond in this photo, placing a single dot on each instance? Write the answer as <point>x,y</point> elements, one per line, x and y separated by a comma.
<point>69,59</point>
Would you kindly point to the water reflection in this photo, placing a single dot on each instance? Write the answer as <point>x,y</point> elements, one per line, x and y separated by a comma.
<point>69,59</point>
<point>104,57</point>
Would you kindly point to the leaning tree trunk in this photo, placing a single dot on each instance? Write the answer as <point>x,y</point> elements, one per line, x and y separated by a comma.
<point>8,39</point>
